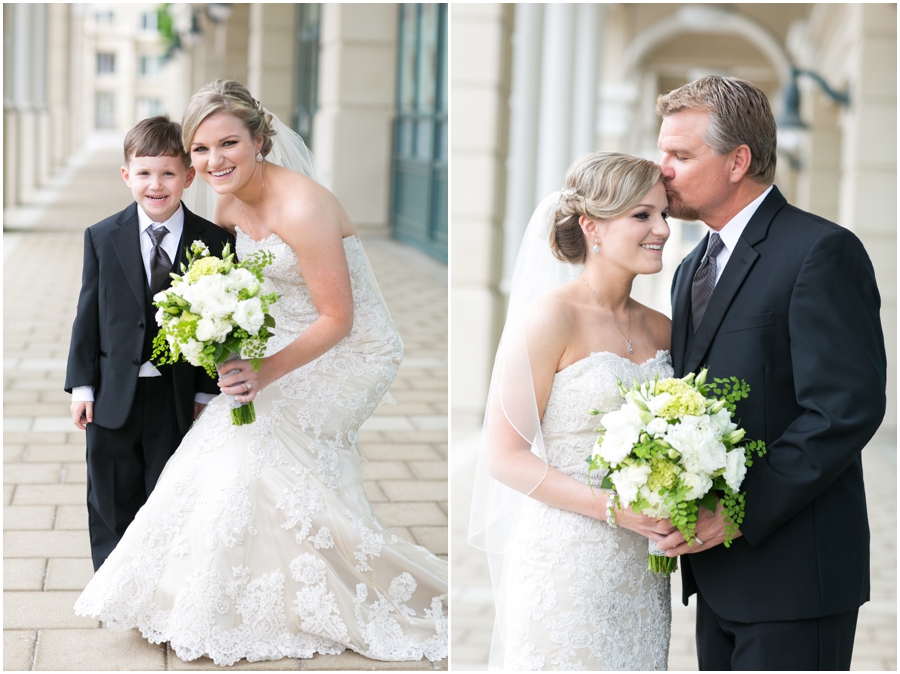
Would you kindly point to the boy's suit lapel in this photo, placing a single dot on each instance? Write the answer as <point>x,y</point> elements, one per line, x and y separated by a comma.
<point>126,242</point>
<point>193,229</point>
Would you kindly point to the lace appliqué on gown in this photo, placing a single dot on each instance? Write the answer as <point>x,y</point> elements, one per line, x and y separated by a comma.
<point>258,541</point>
<point>579,596</point>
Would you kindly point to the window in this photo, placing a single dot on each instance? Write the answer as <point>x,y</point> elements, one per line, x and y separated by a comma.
<point>105,17</point>
<point>147,107</point>
<point>105,112</point>
<point>149,21</point>
<point>106,63</point>
<point>151,66</point>
<point>309,17</point>
<point>419,200</point>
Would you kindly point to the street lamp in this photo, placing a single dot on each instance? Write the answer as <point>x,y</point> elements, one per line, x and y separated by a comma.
<point>790,125</point>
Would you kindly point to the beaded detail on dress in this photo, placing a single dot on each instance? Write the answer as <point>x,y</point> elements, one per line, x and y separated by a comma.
<point>258,541</point>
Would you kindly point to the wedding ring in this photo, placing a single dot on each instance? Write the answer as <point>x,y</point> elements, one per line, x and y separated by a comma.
<point>697,540</point>
<point>247,384</point>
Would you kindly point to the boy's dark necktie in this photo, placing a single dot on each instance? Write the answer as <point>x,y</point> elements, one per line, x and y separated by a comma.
<point>160,264</point>
<point>705,280</point>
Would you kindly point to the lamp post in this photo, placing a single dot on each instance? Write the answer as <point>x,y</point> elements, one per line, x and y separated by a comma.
<point>790,125</point>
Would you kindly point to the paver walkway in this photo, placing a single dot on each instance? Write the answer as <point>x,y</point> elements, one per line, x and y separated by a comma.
<point>875,648</point>
<point>45,540</point>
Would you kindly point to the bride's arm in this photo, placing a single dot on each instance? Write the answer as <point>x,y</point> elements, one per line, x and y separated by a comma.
<point>510,459</point>
<point>310,225</point>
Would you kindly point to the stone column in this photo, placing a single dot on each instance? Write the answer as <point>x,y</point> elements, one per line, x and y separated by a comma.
<point>869,163</point>
<point>270,57</point>
<point>357,91</point>
<point>479,132</point>
<point>524,104</point>
<point>10,115</point>
<point>58,103</point>
<point>555,126</point>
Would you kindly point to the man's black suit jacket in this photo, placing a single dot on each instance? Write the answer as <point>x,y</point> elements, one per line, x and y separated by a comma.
<point>108,332</point>
<point>796,314</point>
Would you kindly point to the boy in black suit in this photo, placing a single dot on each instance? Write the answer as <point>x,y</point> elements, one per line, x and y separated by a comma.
<point>134,412</point>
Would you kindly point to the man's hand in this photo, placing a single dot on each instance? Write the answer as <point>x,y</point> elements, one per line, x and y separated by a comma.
<point>198,407</point>
<point>710,529</point>
<point>82,413</point>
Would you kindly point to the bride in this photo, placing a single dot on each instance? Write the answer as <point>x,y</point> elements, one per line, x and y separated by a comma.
<point>569,571</point>
<point>258,541</point>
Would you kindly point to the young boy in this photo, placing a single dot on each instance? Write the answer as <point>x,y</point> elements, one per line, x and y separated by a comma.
<point>135,413</point>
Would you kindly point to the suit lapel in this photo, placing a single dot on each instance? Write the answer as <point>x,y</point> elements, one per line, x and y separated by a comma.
<point>742,259</point>
<point>127,244</point>
<point>193,229</point>
<point>681,303</point>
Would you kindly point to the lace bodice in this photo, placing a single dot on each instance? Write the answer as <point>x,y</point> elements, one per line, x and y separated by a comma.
<point>590,383</point>
<point>295,310</point>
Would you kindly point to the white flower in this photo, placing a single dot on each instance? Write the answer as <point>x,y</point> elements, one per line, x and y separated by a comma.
<point>249,315</point>
<point>629,479</point>
<point>697,484</point>
<point>160,315</point>
<point>209,297</point>
<point>700,451</point>
<point>721,422</point>
<point>239,278</point>
<point>215,330</point>
<point>191,351</point>
<point>160,296</point>
<point>735,468</point>
<point>655,506</point>
<point>657,427</point>
<point>656,403</point>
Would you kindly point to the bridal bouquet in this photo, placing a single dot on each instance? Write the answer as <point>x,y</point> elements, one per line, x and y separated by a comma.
<point>214,312</point>
<point>670,447</point>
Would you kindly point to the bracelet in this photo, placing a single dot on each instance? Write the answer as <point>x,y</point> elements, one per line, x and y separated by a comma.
<point>610,510</point>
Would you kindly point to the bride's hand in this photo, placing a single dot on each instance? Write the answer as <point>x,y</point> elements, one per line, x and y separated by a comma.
<point>243,381</point>
<point>650,527</point>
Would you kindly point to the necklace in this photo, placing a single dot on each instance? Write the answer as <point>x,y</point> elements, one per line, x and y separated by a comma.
<point>241,203</point>
<point>628,336</point>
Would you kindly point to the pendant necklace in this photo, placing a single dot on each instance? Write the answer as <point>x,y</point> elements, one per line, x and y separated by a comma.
<point>628,336</point>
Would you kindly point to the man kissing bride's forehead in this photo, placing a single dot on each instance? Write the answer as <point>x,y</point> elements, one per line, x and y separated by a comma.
<point>779,299</point>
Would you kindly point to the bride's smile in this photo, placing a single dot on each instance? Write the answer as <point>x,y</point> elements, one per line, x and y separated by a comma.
<point>225,155</point>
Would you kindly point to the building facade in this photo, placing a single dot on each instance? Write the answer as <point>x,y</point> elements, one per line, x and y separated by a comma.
<point>531,98</point>
<point>354,79</point>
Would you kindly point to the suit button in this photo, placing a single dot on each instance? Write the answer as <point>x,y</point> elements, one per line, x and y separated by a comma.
<point>140,324</point>
<point>135,361</point>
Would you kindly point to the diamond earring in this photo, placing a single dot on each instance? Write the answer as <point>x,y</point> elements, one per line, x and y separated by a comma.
<point>259,156</point>
<point>596,248</point>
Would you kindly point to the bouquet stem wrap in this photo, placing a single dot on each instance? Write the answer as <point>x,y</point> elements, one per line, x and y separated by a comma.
<point>241,413</point>
<point>658,562</point>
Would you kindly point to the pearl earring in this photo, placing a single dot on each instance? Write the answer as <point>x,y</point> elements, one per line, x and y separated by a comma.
<point>259,156</point>
<point>596,248</point>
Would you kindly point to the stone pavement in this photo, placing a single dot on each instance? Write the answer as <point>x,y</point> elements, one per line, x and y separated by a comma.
<point>45,540</point>
<point>875,648</point>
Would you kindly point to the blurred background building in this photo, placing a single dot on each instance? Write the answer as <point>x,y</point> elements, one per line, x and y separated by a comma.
<point>536,86</point>
<point>364,84</point>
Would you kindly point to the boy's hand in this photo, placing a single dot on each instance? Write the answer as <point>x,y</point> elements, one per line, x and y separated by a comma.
<point>82,413</point>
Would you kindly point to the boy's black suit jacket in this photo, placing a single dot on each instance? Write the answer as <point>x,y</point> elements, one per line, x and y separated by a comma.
<point>108,332</point>
<point>796,314</point>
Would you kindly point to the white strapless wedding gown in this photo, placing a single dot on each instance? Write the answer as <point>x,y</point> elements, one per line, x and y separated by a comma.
<point>258,541</point>
<point>579,595</point>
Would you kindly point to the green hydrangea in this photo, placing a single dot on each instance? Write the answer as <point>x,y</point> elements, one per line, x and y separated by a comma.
<point>685,399</point>
<point>662,475</point>
<point>206,266</point>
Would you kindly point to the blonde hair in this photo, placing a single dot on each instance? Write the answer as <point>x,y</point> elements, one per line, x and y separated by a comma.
<point>600,186</point>
<point>234,98</point>
<point>739,114</point>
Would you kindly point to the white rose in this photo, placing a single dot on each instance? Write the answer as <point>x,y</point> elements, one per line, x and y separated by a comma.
<point>658,427</point>
<point>616,446</point>
<point>629,479</point>
<point>213,329</point>
<point>239,278</point>
<point>697,484</point>
<point>191,351</point>
<point>209,297</point>
<point>735,468</point>
<point>656,403</point>
<point>721,422</point>
<point>160,296</point>
<point>249,315</point>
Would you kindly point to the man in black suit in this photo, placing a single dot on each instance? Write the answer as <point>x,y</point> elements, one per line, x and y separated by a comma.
<point>135,413</point>
<point>788,302</point>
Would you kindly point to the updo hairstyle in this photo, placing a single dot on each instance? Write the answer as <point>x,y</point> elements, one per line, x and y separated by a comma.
<point>601,186</point>
<point>234,98</point>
